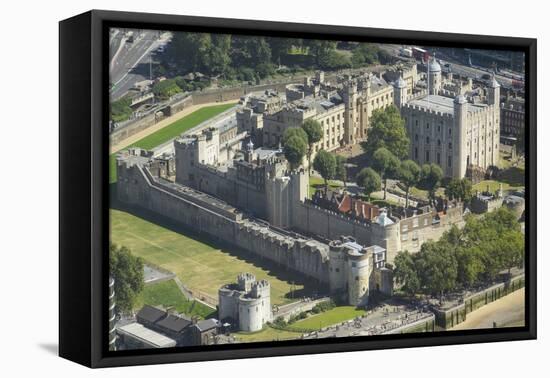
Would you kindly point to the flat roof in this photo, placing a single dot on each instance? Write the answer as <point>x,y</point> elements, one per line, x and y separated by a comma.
<point>436,103</point>
<point>146,335</point>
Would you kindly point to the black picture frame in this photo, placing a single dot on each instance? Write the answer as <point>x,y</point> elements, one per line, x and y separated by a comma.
<point>84,191</point>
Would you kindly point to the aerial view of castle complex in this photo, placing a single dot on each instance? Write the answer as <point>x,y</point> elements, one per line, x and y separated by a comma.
<point>266,189</point>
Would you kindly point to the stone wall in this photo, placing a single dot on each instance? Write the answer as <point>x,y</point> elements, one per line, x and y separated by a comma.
<point>221,222</point>
<point>448,318</point>
<point>140,124</point>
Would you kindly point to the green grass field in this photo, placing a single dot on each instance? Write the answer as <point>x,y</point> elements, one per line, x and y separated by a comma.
<point>266,334</point>
<point>330,317</point>
<point>171,131</point>
<point>200,266</point>
<point>168,295</point>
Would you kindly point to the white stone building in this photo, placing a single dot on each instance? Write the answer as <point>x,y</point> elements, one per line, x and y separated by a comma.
<point>457,134</point>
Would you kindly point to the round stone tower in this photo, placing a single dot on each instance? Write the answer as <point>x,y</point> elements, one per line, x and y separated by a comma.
<point>336,270</point>
<point>359,269</point>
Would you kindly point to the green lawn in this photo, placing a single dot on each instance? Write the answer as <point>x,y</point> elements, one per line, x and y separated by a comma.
<point>266,334</point>
<point>171,131</point>
<point>318,183</point>
<point>493,186</point>
<point>168,295</point>
<point>200,266</point>
<point>336,315</point>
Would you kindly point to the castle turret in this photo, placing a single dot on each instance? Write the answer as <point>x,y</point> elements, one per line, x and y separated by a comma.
<point>244,281</point>
<point>359,269</point>
<point>493,92</point>
<point>350,101</point>
<point>337,275</point>
<point>434,77</point>
<point>399,92</point>
<point>461,154</point>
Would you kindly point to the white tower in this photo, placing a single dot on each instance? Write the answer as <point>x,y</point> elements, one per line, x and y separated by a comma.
<point>493,92</point>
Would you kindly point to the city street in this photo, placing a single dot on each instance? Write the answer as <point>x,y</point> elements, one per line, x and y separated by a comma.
<point>130,60</point>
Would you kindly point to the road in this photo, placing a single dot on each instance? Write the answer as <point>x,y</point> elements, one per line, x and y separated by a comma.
<point>455,67</point>
<point>508,311</point>
<point>131,63</point>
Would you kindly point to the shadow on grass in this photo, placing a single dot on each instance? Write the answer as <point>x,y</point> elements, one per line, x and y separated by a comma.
<point>279,271</point>
<point>513,176</point>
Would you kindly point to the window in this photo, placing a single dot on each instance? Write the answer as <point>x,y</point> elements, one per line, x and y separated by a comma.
<point>425,221</point>
<point>416,137</point>
<point>438,158</point>
<point>451,145</point>
<point>449,161</point>
<point>405,228</point>
<point>427,156</point>
<point>415,224</point>
<point>416,153</point>
<point>405,236</point>
<point>427,125</point>
<point>439,142</point>
<point>427,140</point>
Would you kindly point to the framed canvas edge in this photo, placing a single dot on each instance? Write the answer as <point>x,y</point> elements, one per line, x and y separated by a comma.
<point>99,199</point>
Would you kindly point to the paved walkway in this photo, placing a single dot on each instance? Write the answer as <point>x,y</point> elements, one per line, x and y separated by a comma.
<point>508,311</point>
<point>160,125</point>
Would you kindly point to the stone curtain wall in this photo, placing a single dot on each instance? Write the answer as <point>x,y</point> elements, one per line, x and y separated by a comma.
<point>136,187</point>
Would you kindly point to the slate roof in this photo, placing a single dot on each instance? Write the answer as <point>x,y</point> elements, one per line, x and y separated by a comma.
<point>150,314</point>
<point>174,323</point>
<point>207,324</point>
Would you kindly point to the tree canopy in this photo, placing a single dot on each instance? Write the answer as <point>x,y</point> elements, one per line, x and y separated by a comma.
<point>463,258</point>
<point>127,272</point>
<point>295,131</point>
<point>295,149</point>
<point>325,164</point>
<point>387,130</point>
<point>314,133</point>
<point>369,180</point>
<point>430,179</point>
<point>409,175</point>
<point>459,189</point>
<point>386,164</point>
<point>341,170</point>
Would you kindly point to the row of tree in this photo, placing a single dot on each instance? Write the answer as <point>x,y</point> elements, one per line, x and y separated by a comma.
<point>386,150</point>
<point>249,58</point>
<point>463,258</point>
<point>298,142</point>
